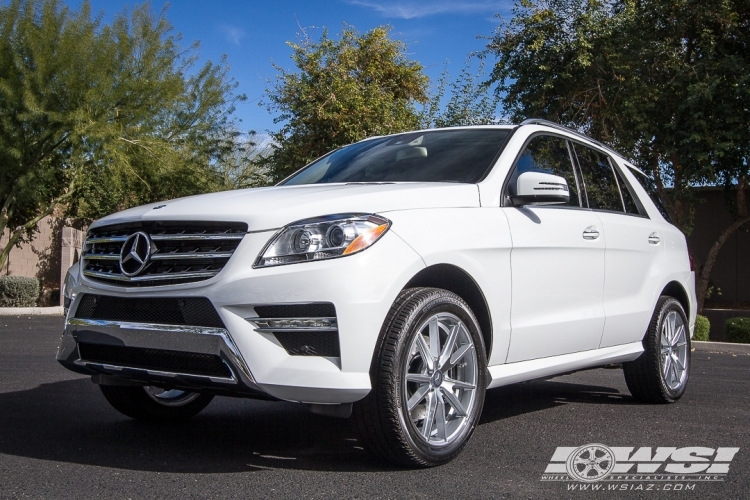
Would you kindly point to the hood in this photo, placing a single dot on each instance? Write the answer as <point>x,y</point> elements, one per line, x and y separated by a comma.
<point>276,206</point>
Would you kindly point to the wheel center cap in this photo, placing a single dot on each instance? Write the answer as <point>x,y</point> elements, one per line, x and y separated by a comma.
<point>437,378</point>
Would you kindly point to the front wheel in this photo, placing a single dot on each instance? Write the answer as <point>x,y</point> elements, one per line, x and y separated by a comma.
<point>153,404</point>
<point>660,374</point>
<point>428,380</point>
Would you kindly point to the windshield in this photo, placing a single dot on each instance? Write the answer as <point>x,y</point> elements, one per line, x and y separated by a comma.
<point>462,155</point>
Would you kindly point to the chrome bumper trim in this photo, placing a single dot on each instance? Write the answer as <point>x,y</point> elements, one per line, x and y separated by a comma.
<point>198,339</point>
<point>307,324</point>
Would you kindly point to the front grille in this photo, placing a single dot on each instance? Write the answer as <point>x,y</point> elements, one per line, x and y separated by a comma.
<point>180,252</point>
<point>314,310</point>
<point>192,311</point>
<point>300,343</point>
<point>189,363</point>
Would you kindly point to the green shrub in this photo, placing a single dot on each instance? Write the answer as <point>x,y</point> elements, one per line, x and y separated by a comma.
<point>702,327</point>
<point>18,291</point>
<point>738,330</point>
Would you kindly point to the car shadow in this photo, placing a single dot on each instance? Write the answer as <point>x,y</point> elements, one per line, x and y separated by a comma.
<point>70,422</point>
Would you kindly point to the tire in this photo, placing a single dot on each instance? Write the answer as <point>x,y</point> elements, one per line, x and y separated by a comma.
<point>422,413</point>
<point>155,405</point>
<point>661,373</point>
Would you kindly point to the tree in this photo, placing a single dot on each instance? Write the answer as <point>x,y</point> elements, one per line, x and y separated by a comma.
<point>665,81</point>
<point>341,92</point>
<point>246,166</point>
<point>97,118</point>
<point>471,100</point>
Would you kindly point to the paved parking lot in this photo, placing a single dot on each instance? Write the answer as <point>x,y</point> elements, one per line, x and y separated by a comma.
<point>60,439</point>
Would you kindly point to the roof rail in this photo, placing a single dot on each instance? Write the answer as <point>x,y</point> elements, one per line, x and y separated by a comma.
<point>540,121</point>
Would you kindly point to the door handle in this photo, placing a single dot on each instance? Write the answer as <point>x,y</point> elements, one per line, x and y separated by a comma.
<point>590,233</point>
<point>653,238</point>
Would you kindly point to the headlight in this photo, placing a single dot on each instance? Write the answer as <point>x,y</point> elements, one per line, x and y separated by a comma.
<point>322,238</point>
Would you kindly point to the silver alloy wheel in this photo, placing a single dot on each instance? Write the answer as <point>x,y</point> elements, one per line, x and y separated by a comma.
<point>172,397</point>
<point>440,379</point>
<point>673,350</point>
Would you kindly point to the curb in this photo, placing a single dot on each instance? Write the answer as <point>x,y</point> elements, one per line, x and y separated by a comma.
<point>721,347</point>
<point>31,311</point>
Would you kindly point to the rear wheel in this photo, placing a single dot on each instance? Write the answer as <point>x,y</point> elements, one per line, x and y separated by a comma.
<point>660,374</point>
<point>428,379</point>
<point>154,404</point>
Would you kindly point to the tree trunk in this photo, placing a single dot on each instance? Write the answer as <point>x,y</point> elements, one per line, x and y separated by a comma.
<point>15,236</point>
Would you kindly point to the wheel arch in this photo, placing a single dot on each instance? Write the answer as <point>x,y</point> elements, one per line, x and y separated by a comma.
<point>676,290</point>
<point>456,280</point>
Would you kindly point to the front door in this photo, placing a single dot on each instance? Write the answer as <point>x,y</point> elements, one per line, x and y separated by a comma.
<point>557,264</point>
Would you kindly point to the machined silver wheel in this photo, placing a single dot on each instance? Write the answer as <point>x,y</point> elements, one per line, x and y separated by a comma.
<point>440,379</point>
<point>173,397</point>
<point>674,348</point>
<point>429,375</point>
<point>661,373</point>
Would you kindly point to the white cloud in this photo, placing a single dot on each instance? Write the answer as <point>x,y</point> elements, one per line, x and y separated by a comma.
<point>232,34</point>
<point>411,10</point>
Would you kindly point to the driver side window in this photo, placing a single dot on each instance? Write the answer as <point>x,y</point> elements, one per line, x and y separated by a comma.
<point>548,154</point>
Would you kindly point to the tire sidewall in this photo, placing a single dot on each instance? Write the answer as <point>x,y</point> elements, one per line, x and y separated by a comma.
<point>440,302</point>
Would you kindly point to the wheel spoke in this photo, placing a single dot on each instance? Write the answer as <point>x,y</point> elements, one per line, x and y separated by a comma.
<point>680,364</point>
<point>453,401</point>
<point>679,335</point>
<point>451,384</point>
<point>664,340</point>
<point>424,350</point>
<point>419,378</point>
<point>440,418</point>
<point>675,373</point>
<point>457,356</point>
<point>429,415</point>
<point>448,347</point>
<point>434,337</point>
<point>672,324</point>
<point>417,397</point>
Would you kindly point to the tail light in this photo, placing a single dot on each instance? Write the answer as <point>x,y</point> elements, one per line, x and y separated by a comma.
<point>692,264</point>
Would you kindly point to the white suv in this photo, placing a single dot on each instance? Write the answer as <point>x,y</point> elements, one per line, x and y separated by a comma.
<point>395,279</point>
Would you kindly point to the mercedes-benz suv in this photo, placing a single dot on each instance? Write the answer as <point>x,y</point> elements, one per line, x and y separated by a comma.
<point>394,280</point>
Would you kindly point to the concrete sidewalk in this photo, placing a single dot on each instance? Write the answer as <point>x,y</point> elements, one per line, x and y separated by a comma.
<point>723,347</point>
<point>31,311</point>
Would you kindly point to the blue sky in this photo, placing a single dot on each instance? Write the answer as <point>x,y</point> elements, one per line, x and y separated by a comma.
<point>252,34</point>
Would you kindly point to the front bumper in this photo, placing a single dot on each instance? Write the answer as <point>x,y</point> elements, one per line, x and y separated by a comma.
<point>155,338</point>
<point>362,287</point>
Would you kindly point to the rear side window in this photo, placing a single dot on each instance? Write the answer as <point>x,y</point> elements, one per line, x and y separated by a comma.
<point>650,187</point>
<point>627,197</point>
<point>599,183</point>
<point>548,154</point>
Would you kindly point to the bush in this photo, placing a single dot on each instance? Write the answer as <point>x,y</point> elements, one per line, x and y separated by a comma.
<point>18,291</point>
<point>702,327</point>
<point>738,330</point>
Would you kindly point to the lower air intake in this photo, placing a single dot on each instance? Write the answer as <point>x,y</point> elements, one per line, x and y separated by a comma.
<point>310,343</point>
<point>189,363</point>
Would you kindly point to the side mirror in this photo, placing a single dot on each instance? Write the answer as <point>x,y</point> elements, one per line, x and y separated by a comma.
<point>538,187</point>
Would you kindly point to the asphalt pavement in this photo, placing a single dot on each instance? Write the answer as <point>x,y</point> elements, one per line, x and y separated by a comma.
<point>60,439</point>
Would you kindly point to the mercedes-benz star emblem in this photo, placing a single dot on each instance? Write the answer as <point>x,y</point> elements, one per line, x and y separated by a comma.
<point>135,254</point>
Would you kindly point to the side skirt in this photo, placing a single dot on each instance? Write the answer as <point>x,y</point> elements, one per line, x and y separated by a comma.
<point>521,371</point>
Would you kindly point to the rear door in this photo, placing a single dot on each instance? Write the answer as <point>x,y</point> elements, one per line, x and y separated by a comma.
<point>634,255</point>
<point>557,263</point>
